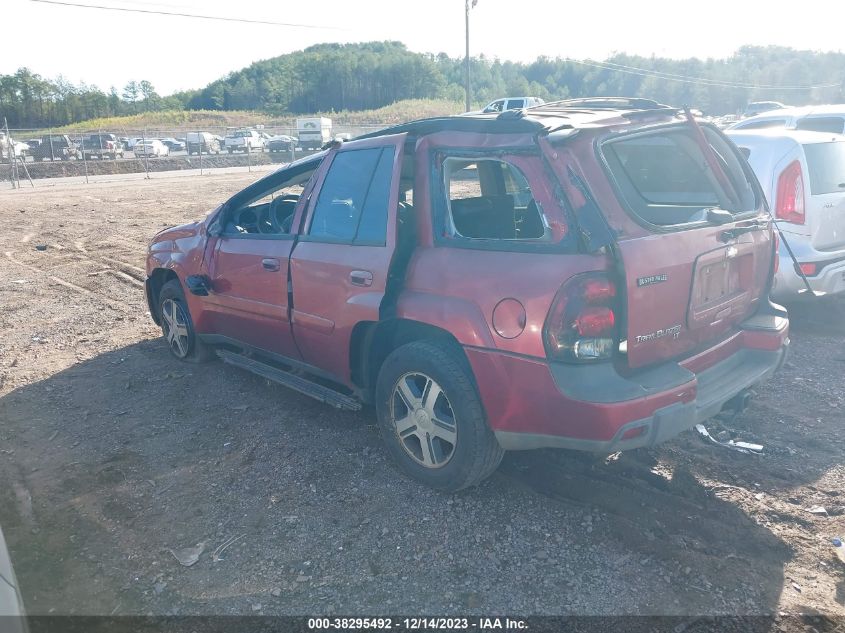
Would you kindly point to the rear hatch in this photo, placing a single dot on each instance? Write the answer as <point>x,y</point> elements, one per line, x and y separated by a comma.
<point>700,260</point>
<point>825,213</point>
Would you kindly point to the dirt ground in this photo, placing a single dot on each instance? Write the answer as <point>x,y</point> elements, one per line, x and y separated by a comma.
<point>112,454</point>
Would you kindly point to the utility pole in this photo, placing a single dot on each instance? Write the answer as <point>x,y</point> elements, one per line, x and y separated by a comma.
<point>467,7</point>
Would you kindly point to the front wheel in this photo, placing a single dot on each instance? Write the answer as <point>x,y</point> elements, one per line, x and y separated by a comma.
<point>177,327</point>
<point>431,417</point>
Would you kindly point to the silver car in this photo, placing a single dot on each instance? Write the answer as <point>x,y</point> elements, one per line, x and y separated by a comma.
<point>803,175</point>
<point>11,604</point>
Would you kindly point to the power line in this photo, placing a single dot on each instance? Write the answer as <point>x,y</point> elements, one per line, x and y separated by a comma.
<point>187,15</point>
<point>719,81</point>
<point>644,72</point>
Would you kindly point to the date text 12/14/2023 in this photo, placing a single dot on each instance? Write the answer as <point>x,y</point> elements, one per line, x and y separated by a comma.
<point>417,624</point>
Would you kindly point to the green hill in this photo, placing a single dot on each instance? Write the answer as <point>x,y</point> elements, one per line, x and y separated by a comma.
<point>366,77</point>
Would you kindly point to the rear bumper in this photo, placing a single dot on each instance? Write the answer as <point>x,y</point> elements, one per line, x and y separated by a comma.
<point>532,404</point>
<point>829,279</point>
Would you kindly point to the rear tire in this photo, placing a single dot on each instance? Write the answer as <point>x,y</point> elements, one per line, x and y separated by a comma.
<point>431,417</point>
<point>177,326</point>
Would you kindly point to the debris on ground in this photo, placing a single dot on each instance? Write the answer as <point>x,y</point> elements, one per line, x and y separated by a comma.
<point>189,555</point>
<point>740,447</point>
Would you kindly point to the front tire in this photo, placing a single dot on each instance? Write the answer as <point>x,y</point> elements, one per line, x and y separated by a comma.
<point>177,326</point>
<point>431,417</point>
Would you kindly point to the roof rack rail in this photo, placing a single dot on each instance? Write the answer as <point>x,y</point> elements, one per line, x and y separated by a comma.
<point>607,103</point>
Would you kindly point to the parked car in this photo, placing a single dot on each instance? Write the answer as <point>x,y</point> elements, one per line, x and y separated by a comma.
<point>512,103</point>
<point>102,146</point>
<point>9,146</point>
<point>173,144</point>
<point>244,141</point>
<point>803,176</point>
<point>758,107</point>
<point>281,143</point>
<point>33,143</point>
<point>11,604</point>
<point>566,277</point>
<point>151,148</point>
<point>203,142</point>
<point>56,147</point>
<point>822,118</point>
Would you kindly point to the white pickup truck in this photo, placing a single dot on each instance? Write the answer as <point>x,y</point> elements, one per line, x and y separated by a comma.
<point>244,141</point>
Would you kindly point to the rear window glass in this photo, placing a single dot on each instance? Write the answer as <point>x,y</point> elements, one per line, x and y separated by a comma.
<point>665,179</point>
<point>762,125</point>
<point>354,198</point>
<point>826,164</point>
<point>832,124</point>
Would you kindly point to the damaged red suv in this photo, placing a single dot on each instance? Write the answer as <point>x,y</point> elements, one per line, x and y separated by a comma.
<point>588,274</point>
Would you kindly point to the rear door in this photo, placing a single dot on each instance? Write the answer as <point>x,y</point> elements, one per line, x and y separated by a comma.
<point>825,213</point>
<point>699,261</point>
<point>340,264</point>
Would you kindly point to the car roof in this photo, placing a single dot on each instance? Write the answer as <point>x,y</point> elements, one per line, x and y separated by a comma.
<point>794,112</point>
<point>570,114</point>
<point>782,136</point>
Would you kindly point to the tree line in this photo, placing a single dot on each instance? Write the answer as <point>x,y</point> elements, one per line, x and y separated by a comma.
<point>27,100</point>
<point>335,77</point>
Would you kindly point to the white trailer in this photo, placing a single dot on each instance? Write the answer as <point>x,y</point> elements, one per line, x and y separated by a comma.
<point>314,132</point>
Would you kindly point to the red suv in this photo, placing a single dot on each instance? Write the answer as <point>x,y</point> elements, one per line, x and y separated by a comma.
<point>589,274</point>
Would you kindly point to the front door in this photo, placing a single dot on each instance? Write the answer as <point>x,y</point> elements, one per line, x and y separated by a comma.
<point>340,264</point>
<point>250,264</point>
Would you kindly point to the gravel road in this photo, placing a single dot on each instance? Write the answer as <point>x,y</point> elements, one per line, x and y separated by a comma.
<point>114,457</point>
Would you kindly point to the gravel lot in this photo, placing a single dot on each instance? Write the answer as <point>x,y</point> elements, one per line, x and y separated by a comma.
<point>112,455</point>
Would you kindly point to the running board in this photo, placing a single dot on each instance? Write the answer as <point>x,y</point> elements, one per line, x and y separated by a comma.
<point>297,383</point>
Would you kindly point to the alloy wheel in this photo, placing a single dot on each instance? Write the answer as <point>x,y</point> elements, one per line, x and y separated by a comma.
<point>175,326</point>
<point>424,420</point>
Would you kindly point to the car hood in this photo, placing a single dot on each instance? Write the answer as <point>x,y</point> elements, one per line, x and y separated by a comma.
<point>174,233</point>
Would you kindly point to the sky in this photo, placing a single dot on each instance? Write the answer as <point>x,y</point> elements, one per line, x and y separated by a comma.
<point>108,48</point>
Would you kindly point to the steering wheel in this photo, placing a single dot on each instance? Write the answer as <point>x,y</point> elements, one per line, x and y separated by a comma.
<point>248,219</point>
<point>265,226</point>
<point>281,213</point>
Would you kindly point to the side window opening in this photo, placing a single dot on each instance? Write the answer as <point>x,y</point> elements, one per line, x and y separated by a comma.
<point>491,199</point>
<point>271,213</point>
<point>354,197</point>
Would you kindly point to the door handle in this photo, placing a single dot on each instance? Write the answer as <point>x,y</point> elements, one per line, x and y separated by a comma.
<point>270,264</point>
<point>361,278</point>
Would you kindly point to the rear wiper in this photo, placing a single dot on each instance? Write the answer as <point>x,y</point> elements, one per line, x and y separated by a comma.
<point>732,234</point>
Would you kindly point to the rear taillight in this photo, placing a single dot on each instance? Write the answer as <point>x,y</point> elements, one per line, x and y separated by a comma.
<point>790,200</point>
<point>582,323</point>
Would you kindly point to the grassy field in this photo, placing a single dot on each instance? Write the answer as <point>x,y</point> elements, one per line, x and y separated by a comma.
<point>395,113</point>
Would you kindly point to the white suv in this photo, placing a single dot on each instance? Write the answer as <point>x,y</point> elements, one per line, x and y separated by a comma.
<point>803,176</point>
<point>822,118</point>
<point>512,103</point>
